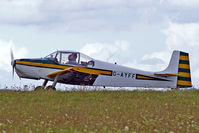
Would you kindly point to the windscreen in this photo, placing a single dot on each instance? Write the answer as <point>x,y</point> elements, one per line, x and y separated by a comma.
<point>86,60</point>
<point>52,55</point>
<point>71,58</point>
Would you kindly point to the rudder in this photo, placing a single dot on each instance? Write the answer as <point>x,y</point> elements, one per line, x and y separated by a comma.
<point>184,73</point>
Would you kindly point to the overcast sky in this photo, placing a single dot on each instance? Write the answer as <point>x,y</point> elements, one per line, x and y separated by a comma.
<point>136,33</point>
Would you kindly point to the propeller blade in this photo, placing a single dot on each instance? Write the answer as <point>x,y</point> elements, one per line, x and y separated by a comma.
<point>13,72</point>
<point>12,63</point>
<point>11,55</point>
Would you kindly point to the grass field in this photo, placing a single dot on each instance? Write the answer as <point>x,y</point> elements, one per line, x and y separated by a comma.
<point>99,111</point>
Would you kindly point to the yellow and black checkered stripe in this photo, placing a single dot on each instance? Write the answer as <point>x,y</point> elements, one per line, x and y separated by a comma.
<point>184,74</point>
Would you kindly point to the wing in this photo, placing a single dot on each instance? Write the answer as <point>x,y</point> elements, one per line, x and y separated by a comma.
<point>92,71</point>
<point>77,75</point>
<point>68,70</point>
<point>81,70</point>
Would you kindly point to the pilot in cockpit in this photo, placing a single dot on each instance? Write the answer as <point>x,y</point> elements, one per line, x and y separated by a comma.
<point>72,59</point>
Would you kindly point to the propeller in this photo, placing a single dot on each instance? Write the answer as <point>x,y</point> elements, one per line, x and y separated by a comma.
<point>13,63</point>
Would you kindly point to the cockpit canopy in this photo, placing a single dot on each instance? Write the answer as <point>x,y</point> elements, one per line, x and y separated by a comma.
<point>71,58</point>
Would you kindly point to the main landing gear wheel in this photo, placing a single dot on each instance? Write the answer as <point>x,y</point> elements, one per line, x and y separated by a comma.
<point>50,87</point>
<point>38,88</point>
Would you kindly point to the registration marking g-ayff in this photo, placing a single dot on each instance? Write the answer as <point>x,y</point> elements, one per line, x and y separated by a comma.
<point>124,74</point>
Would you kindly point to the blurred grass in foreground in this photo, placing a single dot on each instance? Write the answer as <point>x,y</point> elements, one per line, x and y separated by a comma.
<point>99,111</point>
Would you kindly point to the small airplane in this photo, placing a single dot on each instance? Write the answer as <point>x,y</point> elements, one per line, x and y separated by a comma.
<point>75,68</point>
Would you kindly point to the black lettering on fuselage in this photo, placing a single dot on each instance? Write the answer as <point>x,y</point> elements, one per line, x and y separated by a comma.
<point>133,75</point>
<point>129,75</point>
<point>126,74</point>
<point>114,73</point>
<point>122,74</point>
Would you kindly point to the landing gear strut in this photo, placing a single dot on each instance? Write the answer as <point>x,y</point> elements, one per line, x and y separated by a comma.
<point>53,85</point>
<point>48,87</point>
<point>45,83</point>
<point>55,81</point>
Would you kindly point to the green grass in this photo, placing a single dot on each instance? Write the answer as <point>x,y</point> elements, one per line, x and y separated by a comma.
<point>99,111</point>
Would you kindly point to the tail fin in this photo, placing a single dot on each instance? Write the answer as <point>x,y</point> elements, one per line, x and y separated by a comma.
<point>184,73</point>
<point>179,66</point>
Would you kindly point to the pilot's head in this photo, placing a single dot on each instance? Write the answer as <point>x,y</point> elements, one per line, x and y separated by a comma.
<point>72,57</point>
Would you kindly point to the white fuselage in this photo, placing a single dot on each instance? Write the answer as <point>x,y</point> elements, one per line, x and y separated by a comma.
<point>121,76</point>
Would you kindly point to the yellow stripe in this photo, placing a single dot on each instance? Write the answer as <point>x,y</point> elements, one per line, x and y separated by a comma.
<point>143,77</point>
<point>42,64</point>
<point>169,74</point>
<point>186,66</point>
<point>76,68</point>
<point>184,74</point>
<point>184,57</point>
<point>187,83</point>
<point>91,71</point>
